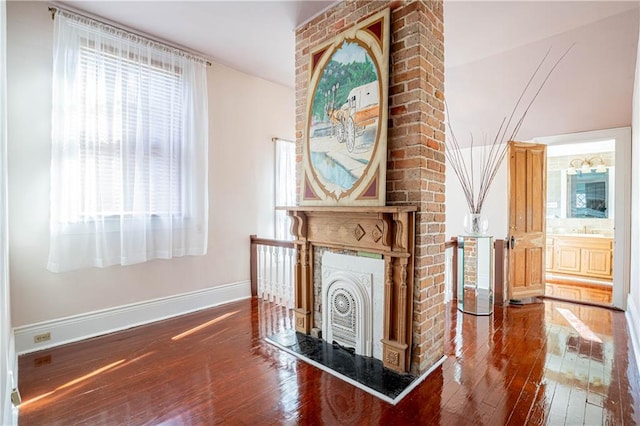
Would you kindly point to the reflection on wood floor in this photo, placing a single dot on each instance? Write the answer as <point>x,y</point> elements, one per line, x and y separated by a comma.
<point>548,363</point>
<point>580,292</point>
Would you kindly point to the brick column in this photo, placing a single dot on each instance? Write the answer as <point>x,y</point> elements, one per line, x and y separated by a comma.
<point>415,158</point>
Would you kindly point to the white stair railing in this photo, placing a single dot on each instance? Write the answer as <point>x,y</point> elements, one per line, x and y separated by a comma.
<point>272,268</point>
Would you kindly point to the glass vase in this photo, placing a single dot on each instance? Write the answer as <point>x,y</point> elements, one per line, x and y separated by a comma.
<point>475,224</point>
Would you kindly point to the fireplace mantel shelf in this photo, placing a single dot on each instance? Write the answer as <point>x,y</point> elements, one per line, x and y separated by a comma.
<point>387,230</point>
<point>351,209</point>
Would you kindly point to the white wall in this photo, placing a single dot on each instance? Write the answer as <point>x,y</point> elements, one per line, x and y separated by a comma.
<point>7,353</point>
<point>633,302</point>
<point>589,90</point>
<point>495,206</point>
<point>245,113</point>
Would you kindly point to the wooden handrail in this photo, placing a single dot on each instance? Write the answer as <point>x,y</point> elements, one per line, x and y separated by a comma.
<point>452,243</point>
<point>500,247</point>
<point>271,242</point>
<point>255,242</point>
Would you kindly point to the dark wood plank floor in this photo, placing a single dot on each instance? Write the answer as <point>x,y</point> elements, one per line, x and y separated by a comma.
<point>522,365</point>
<point>579,292</point>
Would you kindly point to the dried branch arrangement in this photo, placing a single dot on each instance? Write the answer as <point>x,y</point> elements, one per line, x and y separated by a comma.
<point>476,192</point>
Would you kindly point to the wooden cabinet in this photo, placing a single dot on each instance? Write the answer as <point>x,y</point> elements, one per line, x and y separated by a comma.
<point>596,261</point>
<point>585,256</point>
<point>567,257</point>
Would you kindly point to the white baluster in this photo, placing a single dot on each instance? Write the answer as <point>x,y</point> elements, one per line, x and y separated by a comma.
<point>278,292</point>
<point>261,270</point>
<point>289,280</point>
<point>263,331</point>
<point>267,278</point>
<point>272,275</point>
<point>285,277</point>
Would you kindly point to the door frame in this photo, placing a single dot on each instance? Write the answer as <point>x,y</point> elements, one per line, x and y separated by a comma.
<point>622,213</point>
<point>8,360</point>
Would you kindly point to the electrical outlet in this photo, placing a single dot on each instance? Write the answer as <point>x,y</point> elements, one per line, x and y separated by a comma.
<point>39,338</point>
<point>15,397</point>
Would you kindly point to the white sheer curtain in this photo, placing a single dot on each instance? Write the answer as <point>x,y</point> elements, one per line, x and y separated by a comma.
<point>129,148</point>
<point>285,185</point>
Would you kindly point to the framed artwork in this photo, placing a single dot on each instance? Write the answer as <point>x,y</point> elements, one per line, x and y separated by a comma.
<point>345,144</point>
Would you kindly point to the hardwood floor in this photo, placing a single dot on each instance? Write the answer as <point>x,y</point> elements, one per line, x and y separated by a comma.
<point>571,289</point>
<point>580,292</point>
<point>550,363</point>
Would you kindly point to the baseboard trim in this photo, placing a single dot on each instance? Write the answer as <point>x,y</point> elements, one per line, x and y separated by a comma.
<point>9,413</point>
<point>633,321</point>
<point>97,323</point>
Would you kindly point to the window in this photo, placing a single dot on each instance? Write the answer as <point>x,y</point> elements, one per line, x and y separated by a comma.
<point>130,105</point>
<point>285,190</point>
<point>129,148</point>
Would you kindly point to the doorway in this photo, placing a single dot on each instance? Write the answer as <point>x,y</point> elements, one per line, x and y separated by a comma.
<point>587,216</point>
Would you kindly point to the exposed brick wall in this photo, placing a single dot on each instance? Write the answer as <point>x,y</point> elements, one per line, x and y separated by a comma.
<point>415,144</point>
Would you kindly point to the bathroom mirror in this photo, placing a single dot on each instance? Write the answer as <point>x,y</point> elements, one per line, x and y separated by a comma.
<point>588,195</point>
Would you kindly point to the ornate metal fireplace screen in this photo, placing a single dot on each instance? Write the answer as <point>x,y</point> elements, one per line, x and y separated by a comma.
<point>388,231</point>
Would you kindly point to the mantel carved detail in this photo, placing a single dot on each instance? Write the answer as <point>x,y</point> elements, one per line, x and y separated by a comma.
<point>388,231</point>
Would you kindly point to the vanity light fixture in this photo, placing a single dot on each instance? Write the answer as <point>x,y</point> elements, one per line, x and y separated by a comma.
<point>586,165</point>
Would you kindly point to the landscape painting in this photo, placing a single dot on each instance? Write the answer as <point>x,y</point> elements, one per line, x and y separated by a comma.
<point>344,155</point>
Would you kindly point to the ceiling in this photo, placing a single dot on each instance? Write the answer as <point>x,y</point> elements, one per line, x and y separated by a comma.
<point>491,48</point>
<point>478,29</point>
<point>591,89</point>
<point>256,37</point>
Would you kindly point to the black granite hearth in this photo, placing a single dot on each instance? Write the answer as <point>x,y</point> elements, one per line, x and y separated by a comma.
<point>365,372</point>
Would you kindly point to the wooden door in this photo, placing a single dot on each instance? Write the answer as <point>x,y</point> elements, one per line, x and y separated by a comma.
<point>527,210</point>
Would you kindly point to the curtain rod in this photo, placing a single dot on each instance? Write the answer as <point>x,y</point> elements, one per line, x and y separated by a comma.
<point>275,139</point>
<point>53,9</point>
